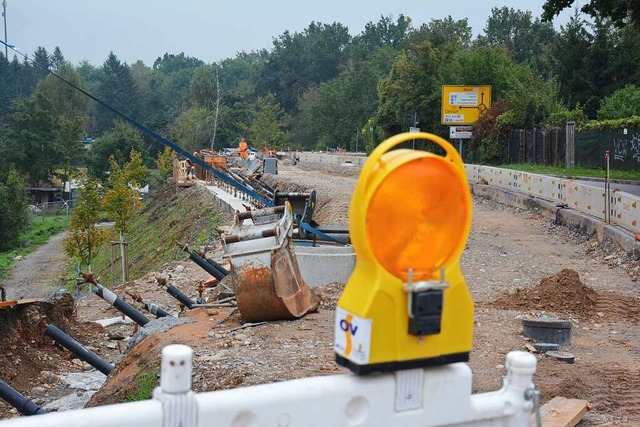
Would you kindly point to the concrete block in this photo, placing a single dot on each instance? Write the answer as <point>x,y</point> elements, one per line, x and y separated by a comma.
<point>326,264</point>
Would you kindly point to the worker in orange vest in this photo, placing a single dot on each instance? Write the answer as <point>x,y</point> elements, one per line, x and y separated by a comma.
<point>242,147</point>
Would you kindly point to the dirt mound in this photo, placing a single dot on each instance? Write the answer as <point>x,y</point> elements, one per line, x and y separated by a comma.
<point>564,293</point>
<point>26,351</point>
<point>610,389</point>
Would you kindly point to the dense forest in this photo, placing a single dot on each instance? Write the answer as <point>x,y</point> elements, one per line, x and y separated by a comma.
<point>320,88</point>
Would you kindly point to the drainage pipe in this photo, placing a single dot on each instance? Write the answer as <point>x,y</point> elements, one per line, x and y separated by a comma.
<point>150,307</point>
<point>217,266</point>
<point>175,292</point>
<point>115,301</point>
<point>119,303</point>
<point>78,349</point>
<point>202,262</point>
<point>23,404</point>
<point>155,310</point>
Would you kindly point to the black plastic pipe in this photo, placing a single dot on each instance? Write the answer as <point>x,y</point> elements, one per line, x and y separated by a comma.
<point>119,303</point>
<point>78,349</point>
<point>23,404</point>
<point>155,310</point>
<point>175,292</point>
<point>205,265</point>
<point>218,267</point>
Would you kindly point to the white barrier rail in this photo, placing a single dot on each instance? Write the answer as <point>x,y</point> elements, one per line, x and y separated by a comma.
<point>436,396</point>
<point>625,207</point>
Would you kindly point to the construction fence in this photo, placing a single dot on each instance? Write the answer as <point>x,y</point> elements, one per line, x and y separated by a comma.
<point>565,148</point>
<point>540,146</point>
<point>57,208</point>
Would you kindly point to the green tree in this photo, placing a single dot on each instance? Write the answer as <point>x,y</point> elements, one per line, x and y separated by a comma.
<point>382,34</point>
<point>621,104</point>
<point>115,88</point>
<point>202,89</point>
<point>66,102</point>
<point>14,217</point>
<point>413,85</point>
<point>523,37</point>
<point>121,200</point>
<point>569,58</point>
<point>57,59</point>
<point>620,12</point>
<point>84,237</point>
<point>69,145</point>
<point>267,130</point>
<point>117,143</point>
<point>41,63</point>
<point>164,161</point>
<point>301,60</point>
<point>333,113</point>
<point>443,32</point>
<point>193,129</point>
<point>30,139</point>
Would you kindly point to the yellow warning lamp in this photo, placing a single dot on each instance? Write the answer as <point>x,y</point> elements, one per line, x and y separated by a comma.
<point>406,304</point>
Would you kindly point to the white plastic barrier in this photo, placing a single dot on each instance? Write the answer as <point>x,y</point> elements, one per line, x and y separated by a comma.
<point>625,207</point>
<point>419,397</point>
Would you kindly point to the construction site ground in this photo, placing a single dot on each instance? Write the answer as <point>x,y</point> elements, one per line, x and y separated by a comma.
<point>509,253</point>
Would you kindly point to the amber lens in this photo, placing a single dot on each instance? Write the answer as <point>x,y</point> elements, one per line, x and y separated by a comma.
<point>417,217</point>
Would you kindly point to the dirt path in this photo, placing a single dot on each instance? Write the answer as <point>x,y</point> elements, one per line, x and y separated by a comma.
<point>38,273</point>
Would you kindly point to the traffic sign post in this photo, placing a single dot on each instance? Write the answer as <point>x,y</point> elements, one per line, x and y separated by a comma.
<point>463,105</point>
<point>460,133</point>
<point>414,129</point>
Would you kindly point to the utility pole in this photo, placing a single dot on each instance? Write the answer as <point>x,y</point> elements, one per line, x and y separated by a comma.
<point>4,15</point>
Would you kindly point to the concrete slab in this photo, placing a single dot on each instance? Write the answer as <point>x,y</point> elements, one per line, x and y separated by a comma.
<point>325,264</point>
<point>227,200</point>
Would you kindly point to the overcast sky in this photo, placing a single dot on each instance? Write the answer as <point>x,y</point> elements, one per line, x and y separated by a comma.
<point>211,29</point>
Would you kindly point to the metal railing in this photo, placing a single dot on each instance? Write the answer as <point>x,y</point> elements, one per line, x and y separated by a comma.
<point>57,208</point>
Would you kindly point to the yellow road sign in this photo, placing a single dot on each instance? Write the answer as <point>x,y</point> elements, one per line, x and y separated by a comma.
<point>462,105</point>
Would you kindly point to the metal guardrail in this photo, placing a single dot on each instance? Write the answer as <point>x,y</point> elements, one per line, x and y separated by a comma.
<point>587,199</point>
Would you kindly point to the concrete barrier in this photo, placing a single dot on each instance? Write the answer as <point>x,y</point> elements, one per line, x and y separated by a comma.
<point>321,265</point>
<point>330,160</point>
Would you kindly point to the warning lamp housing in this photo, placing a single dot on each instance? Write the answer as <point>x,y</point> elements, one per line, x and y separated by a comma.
<point>406,304</point>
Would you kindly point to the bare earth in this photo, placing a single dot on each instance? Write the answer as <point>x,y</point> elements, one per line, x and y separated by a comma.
<point>508,250</point>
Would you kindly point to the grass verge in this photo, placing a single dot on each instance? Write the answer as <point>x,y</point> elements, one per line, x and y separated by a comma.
<point>575,172</point>
<point>185,215</point>
<point>39,231</point>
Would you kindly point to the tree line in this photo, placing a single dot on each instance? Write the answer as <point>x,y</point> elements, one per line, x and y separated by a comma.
<point>319,88</point>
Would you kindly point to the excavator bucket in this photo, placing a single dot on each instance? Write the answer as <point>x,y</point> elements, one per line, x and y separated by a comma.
<point>264,271</point>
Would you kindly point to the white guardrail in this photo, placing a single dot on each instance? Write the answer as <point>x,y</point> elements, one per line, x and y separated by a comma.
<point>435,396</point>
<point>624,207</point>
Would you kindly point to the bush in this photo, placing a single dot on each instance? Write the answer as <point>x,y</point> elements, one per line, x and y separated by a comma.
<point>490,135</point>
<point>621,104</point>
